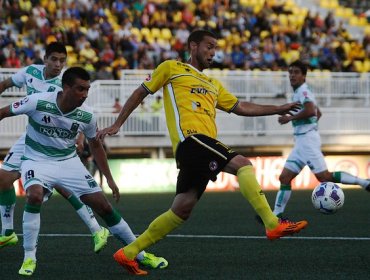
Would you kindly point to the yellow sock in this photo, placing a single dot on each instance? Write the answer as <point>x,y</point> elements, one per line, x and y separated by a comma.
<point>252,191</point>
<point>158,229</point>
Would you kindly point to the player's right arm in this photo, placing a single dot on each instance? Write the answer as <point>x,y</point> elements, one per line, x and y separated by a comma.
<point>24,106</point>
<point>5,112</point>
<point>153,83</point>
<point>4,85</point>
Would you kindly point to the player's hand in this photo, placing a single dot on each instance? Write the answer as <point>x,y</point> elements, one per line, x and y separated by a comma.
<point>284,119</point>
<point>289,108</point>
<point>115,191</point>
<point>111,130</point>
<point>79,148</point>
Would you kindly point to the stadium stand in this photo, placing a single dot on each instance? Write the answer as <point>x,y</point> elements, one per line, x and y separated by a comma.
<point>268,33</point>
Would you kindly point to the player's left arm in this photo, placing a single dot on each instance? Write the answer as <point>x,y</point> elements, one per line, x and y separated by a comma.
<point>244,108</point>
<point>318,113</point>
<point>100,157</point>
<point>309,110</point>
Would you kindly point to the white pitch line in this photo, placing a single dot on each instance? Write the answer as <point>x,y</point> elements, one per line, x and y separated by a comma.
<point>224,236</point>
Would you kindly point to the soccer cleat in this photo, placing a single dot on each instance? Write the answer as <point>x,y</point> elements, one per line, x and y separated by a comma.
<point>130,265</point>
<point>153,261</point>
<point>28,267</point>
<point>6,240</point>
<point>100,239</point>
<point>259,219</point>
<point>284,228</point>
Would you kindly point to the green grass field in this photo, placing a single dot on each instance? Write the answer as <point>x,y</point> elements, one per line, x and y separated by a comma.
<point>220,241</point>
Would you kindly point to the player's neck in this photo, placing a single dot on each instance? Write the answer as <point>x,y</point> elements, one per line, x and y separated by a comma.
<point>47,75</point>
<point>63,105</point>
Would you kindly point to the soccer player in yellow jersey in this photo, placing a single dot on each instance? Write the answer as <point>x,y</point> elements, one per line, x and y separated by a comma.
<point>190,102</point>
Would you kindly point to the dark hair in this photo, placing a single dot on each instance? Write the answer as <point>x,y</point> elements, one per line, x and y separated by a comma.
<point>55,47</point>
<point>301,65</point>
<point>198,35</point>
<point>73,73</point>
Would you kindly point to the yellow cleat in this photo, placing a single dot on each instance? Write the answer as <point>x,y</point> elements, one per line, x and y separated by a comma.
<point>28,267</point>
<point>100,239</point>
<point>7,240</point>
<point>153,261</point>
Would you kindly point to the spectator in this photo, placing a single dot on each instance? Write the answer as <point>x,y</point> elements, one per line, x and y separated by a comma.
<point>117,105</point>
<point>13,60</point>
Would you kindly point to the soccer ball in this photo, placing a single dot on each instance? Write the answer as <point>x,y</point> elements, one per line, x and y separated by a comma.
<point>327,197</point>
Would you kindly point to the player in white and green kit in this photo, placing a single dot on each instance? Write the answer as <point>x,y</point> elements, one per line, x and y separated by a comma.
<point>307,142</point>
<point>36,79</point>
<point>54,123</point>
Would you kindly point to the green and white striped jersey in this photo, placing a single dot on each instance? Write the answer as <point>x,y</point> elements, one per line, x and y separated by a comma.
<point>303,94</point>
<point>50,134</point>
<point>33,77</point>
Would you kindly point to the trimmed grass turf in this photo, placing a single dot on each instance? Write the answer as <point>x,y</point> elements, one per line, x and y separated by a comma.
<point>219,214</point>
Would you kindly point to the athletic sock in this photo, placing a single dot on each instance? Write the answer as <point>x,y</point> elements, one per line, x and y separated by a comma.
<point>121,230</point>
<point>157,229</point>
<point>346,178</point>
<point>282,198</point>
<point>85,213</point>
<point>252,191</point>
<point>31,229</point>
<point>7,205</point>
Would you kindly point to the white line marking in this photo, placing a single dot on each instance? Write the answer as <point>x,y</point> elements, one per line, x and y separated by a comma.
<point>223,236</point>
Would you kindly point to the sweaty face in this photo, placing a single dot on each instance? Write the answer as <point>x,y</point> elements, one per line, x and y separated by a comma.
<point>296,77</point>
<point>205,51</point>
<point>54,63</point>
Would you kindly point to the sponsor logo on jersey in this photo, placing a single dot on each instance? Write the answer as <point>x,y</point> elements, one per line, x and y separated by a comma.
<point>51,89</point>
<point>199,90</point>
<point>213,165</point>
<point>56,132</point>
<point>74,127</point>
<point>49,106</point>
<point>19,103</point>
<point>148,78</point>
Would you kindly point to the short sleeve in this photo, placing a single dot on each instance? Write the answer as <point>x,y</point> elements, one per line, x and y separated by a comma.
<point>91,128</point>
<point>159,77</point>
<point>23,106</point>
<point>19,78</point>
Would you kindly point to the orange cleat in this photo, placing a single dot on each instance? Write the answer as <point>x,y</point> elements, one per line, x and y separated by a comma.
<point>284,228</point>
<point>131,265</point>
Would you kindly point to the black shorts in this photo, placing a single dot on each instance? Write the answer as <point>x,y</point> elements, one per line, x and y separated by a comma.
<point>200,158</point>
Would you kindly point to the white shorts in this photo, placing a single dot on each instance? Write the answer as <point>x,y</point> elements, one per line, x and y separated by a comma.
<point>306,151</point>
<point>70,174</point>
<point>12,161</point>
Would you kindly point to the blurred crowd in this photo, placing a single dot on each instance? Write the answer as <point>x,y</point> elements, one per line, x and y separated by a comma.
<point>108,36</point>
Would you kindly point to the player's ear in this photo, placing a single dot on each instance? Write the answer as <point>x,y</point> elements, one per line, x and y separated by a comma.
<point>193,45</point>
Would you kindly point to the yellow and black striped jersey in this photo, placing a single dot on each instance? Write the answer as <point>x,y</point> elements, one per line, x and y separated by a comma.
<point>190,99</point>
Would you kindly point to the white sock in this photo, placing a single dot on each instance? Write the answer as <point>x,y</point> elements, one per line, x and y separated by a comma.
<point>349,179</point>
<point>123,232</point>
<point>7,216</point>
<point>281,201</point>
<point>31,229</point>
<point>87,215</point>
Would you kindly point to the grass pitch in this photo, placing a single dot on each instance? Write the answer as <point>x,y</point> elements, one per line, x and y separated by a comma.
<point>220,241</point>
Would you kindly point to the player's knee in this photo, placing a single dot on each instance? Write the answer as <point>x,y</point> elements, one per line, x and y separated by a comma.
<point>324,177</point>
<point>35,195</point>
<point>7,178</point>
